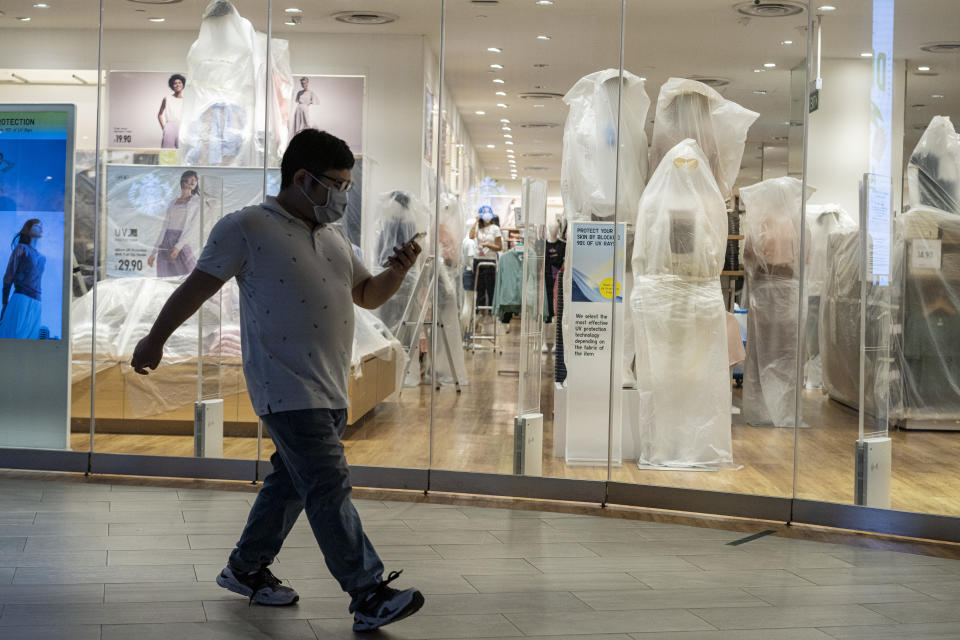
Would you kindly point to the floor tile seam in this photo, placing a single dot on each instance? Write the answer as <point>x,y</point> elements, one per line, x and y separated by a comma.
<point>694,613</point>
<point>537,569</point>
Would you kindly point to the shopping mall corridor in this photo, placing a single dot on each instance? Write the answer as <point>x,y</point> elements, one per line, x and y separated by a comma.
<point>110,559</point>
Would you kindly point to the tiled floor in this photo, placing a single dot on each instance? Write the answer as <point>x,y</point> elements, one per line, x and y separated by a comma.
<point>85,561</point>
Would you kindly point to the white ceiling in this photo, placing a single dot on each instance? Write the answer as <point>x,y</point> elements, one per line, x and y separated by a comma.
<point>663,38</point>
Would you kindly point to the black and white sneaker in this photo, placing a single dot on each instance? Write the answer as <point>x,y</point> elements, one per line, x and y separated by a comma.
<point>260,586</point>
<point>385,605</point>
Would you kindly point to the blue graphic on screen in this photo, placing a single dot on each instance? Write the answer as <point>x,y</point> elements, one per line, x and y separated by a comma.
<point>33,159</point>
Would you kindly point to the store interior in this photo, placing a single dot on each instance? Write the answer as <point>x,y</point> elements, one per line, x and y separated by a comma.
<point>733,343</point>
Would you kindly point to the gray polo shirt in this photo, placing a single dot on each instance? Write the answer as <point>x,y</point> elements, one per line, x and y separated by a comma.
<point>296,304</point>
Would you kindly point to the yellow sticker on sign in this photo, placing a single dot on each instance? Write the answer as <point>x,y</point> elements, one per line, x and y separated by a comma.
<point>606,288</point>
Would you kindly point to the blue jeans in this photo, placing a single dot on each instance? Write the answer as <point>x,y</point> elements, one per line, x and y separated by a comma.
<point>310,470</point>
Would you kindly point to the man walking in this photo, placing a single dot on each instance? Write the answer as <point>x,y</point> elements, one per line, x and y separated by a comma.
<point>298,280</point>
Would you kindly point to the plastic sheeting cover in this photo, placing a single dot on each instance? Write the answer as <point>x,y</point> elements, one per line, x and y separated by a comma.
<point>127,308</point>
<point>679,317</point>
<point>691,109</point>
<point>771,230</point>
<point>933,173</point>
<point>400,216</point>
<point>588,175</point>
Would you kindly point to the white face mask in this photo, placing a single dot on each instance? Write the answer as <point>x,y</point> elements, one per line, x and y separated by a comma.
<point>335,207</point>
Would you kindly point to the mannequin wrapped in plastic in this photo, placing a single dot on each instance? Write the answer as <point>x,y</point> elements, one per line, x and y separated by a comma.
<point>588,175</point>
<point>822,220</point>
<point>679,317</point>
<point>691,109</point>
<point>223,110</point>
<point>771,253</point>
<point>933,173</point>
<point>451,294</point>
<point>400,217</point>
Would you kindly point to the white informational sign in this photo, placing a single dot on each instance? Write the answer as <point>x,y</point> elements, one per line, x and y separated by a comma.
<point>595,332</point>
<point>154,216</point>
<point>925,254</point>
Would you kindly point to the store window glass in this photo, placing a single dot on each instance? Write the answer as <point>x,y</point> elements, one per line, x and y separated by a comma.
<point>713,233</point>
<point>371,78</point>
<point>184,111</point>
<point>523,82</point>
<point>883,155</point>
<point>47,192</point>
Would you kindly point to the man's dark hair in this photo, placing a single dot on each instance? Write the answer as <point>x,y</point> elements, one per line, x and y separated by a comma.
<point>315,151</point>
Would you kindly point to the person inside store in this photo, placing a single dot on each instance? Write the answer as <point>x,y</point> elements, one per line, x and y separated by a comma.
<point>171,110</point>
<point>173,251</point>
<point>20,313</point>
<point>489,244</point>
<point>298,279</point>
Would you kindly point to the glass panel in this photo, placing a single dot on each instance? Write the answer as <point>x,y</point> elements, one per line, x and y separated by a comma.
<point>50,65</point>
<point>183,142</point>
<point>716,230</point>
<point>371,78</point>
<point>882,153</point>
<point>514,70</point>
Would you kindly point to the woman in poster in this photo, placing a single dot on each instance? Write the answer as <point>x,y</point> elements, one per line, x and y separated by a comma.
<point>20,315</point>
<point>173,251</point>
<point>171,108</point>
<point>305,98</point>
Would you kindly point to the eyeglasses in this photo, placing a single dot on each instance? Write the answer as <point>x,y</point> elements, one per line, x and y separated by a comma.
<point>339,185</point>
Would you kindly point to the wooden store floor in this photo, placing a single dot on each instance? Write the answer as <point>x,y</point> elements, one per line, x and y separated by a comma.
<point>474,432</point>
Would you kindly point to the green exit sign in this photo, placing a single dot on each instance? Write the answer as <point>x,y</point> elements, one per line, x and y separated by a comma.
<point>814,100</point>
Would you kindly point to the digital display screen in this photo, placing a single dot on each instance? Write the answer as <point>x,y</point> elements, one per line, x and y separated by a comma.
<point>33,183</point>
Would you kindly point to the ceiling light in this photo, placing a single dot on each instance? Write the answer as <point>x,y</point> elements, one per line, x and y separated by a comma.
<point>480,113</point>
<point>543,37</point>
<point>41,5</point>
<point>502,105</point>
<point>827,7</point>
<point>544,3</point>
<point>937,96</point>
<point>157,19</point>
<point>491,146</point>
<point>761,92</point>
<point>643,78</point>
<point>538,106</point>
<point>501,93</point>
<point>498,80</point>
<point>866,54</point>
<point>494,49</point>
<point>786,42</point>
<point>918,68</point>
<point>769,65</point>
<point>23,19</point>
<point>292,22</point>
<point>293,10</point>
<point>506,128</point>
<point>759,70</point>
<point>507,135</point>
<point>504,120</point>
<point>509,142</point>
<point>496,66</point>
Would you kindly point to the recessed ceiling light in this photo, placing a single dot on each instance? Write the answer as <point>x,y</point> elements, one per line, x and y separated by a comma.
<point>504,120</point>
<point>918,68</point>
<point>543,37</point>
<point>491,146</point>
<point>293,10</point>
<point>769,65</point>
<point>480,113</point>
<point>41,5</point>
<point>761,92</point>
<point>157,19</point>
<point>291,22</point>
<point>23,19</point>
<point>510,142</point>
<point>502,105</point>
<point>496,66</point>
<point>827,7</point>
<point>506,128</point>
<point>498,80</point>
<point>501,93</point>
<point>786,42</point>
<point>937,96</point>
<point>866,54</point>
<point>494,49</point>
<point>544,3</point>
<point>538,106</point>
<point>643,78</point>
<point>507,135</point>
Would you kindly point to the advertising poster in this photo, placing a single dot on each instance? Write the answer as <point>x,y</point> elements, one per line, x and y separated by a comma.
<point>590,331</point>
<point>33,165</point>
<point>330,103</point>
<point>143,110</point>
<point>158,218</point>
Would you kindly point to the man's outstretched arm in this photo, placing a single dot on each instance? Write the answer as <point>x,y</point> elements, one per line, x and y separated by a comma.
<point>182,304</point>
